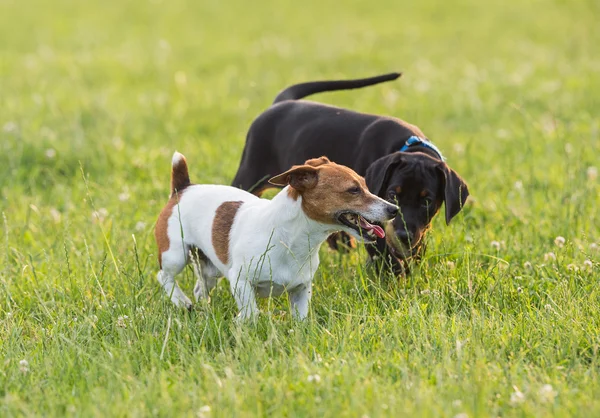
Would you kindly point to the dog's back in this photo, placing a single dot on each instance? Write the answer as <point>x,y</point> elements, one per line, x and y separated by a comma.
<point>294,130</point>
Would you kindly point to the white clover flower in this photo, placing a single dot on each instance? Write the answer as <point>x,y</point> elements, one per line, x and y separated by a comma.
<point>592,173</point>
<point>56,215</point>
<point>459,148</point>
<point>527,265</point>
<point>140,226</point>
<point>10,127</point>
<point>50,153</point>
<point>180,78</point>
<point>495,245</point>
<point>594,246</point>
<point>519,185</point>
<point>461,415</point>
<point>457,403</point>
<point>450,265</point>
<point>204,411</point>
<point>559,241</point>
<point>502,133</point>
<point>121,321</point>
<point>517,397</point>
<point>314,378</point>
<point>547,393</point>
<point>124,197</point>
<point>549,256</point>
<point>425,291</point>
<point>118,143</point>
<point>99,215</point>
<point>587,265</point>
<point>24,366</point>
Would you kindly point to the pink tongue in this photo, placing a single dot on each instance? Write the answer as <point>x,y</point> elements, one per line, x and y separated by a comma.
<point>369,227</point>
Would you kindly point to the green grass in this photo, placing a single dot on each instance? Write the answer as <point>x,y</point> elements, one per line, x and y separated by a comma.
<point>94,98</point>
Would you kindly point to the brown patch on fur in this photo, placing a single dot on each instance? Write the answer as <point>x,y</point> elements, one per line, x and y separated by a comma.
<point>398,190</point>
<point>160,231</point>
<point>293,193</point>
<point>423,193</point>
<point>180,178</point>
<point>221,228</point>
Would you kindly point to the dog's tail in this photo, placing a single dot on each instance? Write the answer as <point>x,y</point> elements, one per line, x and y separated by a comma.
<point>298,91</point>
<point>180,179</point>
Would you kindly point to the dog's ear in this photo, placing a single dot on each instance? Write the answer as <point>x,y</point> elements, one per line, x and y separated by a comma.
<point>378,173</point>
<point>455,191</point>
<point>315,162</point>
<point>300,177</point>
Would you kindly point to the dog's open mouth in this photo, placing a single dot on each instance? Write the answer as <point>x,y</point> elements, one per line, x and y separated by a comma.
<point>366,229</point>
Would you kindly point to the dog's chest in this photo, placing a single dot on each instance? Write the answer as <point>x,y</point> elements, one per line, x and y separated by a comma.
<point>278,272</point>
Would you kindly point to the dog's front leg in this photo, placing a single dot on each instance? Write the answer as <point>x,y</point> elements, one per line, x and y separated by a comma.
<point>300,299</point>
<point>243,293</point>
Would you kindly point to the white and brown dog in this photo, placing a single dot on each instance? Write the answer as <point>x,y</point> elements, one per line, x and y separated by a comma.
<point>262,246</point>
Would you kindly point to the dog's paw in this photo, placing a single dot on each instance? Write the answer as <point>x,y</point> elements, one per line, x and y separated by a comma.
<point>182,301</point>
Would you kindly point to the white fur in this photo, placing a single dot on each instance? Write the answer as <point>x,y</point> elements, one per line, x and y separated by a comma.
<point>177,157</point>
<point>273,247</point>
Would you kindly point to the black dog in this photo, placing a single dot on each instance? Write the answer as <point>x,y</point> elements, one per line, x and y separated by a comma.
<point>398,162</point>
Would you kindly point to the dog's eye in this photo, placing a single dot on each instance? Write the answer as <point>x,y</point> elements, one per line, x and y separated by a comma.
<point>354,190</point>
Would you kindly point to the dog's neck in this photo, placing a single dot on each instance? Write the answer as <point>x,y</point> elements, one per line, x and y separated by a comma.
<point>292,225</point>
<point>417,144</point>
<point>424,150</point>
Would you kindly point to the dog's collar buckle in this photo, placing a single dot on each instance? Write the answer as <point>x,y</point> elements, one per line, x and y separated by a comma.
<point>415,140</point>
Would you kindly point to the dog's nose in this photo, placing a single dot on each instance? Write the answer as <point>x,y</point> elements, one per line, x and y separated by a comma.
<point>392,211</point>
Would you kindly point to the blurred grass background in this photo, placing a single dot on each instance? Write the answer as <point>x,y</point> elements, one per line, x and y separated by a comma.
<point>95,97</point>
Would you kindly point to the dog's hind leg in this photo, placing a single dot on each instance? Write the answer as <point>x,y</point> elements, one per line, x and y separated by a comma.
<point>173,262</point>
<point>206,274</point>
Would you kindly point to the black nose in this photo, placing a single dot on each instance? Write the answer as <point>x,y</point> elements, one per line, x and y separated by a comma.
<point>404,236</point>
<point>392,211</point>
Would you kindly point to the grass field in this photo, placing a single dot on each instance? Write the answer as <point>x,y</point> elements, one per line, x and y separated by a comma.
<point>500,320</point>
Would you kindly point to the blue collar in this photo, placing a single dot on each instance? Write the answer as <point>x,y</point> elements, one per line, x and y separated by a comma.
<point>415,140</point>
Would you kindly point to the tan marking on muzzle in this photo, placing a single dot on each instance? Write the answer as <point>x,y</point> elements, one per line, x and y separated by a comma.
<point>221,228</point>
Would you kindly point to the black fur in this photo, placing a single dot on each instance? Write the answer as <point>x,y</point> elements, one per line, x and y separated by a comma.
<point>292,131</point>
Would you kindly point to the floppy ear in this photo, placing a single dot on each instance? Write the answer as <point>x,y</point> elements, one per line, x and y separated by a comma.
<point>300,177</point>
<point>455,191</point>
<point>378,173</point>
